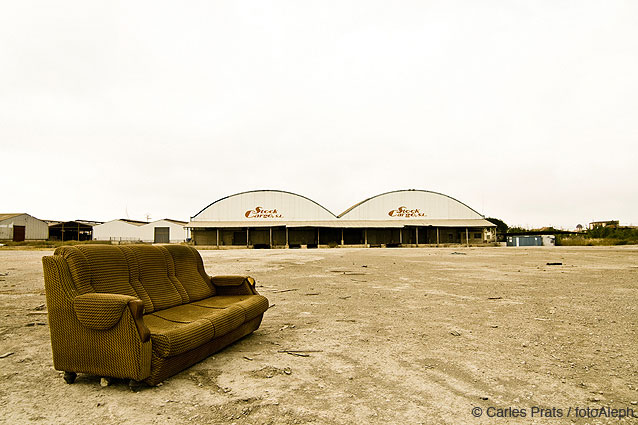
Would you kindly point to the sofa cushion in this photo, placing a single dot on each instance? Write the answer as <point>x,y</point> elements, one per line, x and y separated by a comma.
<point>189,270</point>
<point>169,326</point>
<point>224,320</point>
<point>153,268</point>
<point>172,338</point>
<point>253,305</point>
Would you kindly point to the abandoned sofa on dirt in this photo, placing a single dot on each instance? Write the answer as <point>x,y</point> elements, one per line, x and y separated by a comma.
<point>142,312</point>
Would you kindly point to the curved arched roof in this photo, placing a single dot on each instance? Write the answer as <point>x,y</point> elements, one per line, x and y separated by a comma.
<point>264,205</point>
<point>409,203</point>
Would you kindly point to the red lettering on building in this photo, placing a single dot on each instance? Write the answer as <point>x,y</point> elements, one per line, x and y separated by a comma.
<point>259,212</point>
<point>403,212</point>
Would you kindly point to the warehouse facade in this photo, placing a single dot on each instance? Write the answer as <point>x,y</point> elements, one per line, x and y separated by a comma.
<point>21,227</point>
<point>272,218</point>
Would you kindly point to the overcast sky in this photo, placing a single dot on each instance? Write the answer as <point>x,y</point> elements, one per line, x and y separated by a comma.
<point>524,110</point>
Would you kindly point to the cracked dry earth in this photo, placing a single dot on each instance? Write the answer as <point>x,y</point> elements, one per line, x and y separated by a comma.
<point>414,335</point>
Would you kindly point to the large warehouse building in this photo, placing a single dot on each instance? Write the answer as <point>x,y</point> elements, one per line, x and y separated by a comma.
<point>272,218</point>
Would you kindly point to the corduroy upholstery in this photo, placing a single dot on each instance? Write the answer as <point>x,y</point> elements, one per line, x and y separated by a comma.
<point>189,271</point>
<point>252,306</point>
<point>100,311</point>
<point>142,312</point>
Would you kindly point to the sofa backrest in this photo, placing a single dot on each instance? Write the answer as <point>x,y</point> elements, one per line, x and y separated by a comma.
<point>161,276</point>
<point>189,271</point>
<point>98,268</point>
<point>153,268</point>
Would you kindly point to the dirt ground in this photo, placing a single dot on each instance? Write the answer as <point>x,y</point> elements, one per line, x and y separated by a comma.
<point>414,335</point>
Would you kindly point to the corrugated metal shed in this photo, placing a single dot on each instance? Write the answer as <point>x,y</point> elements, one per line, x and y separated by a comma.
<point>22,226</point>
<point>77,230</point>
<point>118,230</point>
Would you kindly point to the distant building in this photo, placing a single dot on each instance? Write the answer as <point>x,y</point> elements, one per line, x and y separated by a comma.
<point>20,227</point>
<point>118,230</point>
<point>531,240</point>
<point>609,223</point>
<point>77,230</point>
<point>579,227</point>
<point>274,218</point>
<point>124,230</point>
<point>163,231</point>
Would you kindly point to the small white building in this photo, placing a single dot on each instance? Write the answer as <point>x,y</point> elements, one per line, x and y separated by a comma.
<point>119,230</point>
<point>20,227</point>
<point>163,231</point>
<point>123,230</point>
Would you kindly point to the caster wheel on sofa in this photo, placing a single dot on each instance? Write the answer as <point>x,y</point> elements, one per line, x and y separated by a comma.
<point>134,385</point>
<point>69,377</point>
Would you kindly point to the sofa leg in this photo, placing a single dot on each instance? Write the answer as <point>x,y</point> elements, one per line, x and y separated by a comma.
<point>69,377</point>
<point>134,385</point>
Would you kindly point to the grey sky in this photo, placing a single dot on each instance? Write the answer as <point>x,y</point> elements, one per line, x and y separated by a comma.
<point>526,111</point>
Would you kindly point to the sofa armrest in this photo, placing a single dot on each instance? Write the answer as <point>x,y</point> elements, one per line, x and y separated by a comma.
<point>100,311</point>
<point>234,285</point>
<point>123,351</point>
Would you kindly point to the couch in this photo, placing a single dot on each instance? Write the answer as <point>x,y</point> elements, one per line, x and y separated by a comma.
<point>142,312</point>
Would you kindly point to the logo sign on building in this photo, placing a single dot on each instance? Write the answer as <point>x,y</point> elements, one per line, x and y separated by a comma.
<point>404,212</point>
<point>260,212</point>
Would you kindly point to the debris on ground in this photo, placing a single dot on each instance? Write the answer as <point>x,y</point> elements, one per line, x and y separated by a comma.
<point>2,356</point>
<point>494,298</point>
<point>270,372</point>
<point>455,333</point>
<point>300,353</point>
<point>554,264</point>
<point>286,326</point>
<point>458,253</point>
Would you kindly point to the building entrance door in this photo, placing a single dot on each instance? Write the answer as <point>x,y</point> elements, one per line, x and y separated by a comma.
<point>19,233</point>
<point>162,235</point>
